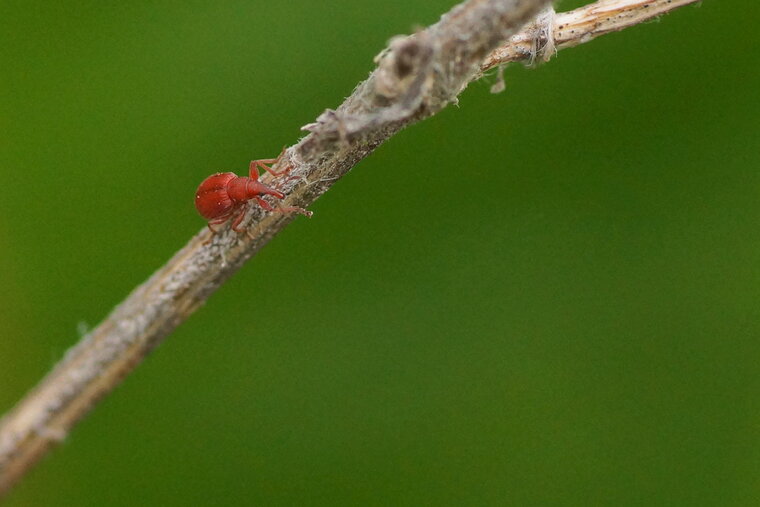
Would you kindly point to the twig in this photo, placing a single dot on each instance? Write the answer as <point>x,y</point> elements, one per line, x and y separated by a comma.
<point>552,32</point>
<point>417,76</point>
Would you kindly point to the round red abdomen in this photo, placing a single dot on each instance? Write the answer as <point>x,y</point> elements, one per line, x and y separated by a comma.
<point>211,198</point>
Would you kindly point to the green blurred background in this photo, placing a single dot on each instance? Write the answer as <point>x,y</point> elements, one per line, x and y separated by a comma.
<point>543,297</point>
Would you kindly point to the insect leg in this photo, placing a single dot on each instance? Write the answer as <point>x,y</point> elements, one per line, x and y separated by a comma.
<point>280,209</point>
<point>238,219</point>
<point>262,163</point>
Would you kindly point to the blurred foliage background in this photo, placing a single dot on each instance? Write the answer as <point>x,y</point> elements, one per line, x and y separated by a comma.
<point>547,296</point>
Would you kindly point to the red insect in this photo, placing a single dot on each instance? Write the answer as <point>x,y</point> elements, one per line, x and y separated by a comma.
<point>222,196</point>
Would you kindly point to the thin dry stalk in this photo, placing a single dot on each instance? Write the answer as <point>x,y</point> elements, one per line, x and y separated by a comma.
<point>416,77</point>
<point>552,32</point>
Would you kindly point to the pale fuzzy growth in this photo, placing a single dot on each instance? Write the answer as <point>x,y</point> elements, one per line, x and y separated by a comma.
<point>543,40</point>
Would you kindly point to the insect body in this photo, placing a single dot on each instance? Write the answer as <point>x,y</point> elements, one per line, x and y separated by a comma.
<point>222,196</point>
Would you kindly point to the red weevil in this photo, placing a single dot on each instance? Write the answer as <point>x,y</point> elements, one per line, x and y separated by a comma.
<point>222,196</point>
